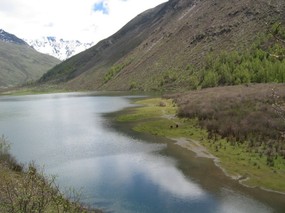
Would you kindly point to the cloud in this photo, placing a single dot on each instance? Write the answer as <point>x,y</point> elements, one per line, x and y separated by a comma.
<point>85,20</point>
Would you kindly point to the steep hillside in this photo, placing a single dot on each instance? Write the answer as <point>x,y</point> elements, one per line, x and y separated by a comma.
<point>19,63</point>
<point>98,59</point>
<point>156,48</point>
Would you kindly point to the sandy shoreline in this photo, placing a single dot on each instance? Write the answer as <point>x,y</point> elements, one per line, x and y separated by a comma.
<point>202,152</point>
<point>194,146</point>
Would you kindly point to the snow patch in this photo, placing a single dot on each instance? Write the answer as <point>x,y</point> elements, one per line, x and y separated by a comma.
<point>59,48</point>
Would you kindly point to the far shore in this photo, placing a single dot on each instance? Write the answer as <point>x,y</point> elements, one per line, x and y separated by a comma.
<point>154,118</point>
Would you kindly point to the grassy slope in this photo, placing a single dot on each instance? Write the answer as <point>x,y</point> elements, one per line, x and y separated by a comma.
<point>29,190</point>
<point>154,50</point>
<point>31,90</point>
<point>237,161</point>
<point>20,64</point>
<point>21,188</point>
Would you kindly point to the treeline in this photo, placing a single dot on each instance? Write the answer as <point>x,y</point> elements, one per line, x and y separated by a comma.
<point>264,62</point>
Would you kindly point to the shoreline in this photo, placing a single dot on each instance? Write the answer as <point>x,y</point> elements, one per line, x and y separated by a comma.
<point>153,119</point>
<point>202,152</point>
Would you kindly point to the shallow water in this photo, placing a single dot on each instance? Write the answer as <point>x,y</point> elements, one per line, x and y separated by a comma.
<point>69,135</point>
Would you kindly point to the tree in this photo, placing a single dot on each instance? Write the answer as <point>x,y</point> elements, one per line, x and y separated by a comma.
<point>210,79</point>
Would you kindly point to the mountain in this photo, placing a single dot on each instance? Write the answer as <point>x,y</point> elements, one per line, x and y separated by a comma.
<point>157,49</point>
<point>10,38</point>
<point>58,48</point>
<point>19,63</point>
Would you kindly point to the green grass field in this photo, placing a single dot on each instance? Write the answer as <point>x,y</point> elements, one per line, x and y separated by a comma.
<point>44,89</point>
<point>157,117</point>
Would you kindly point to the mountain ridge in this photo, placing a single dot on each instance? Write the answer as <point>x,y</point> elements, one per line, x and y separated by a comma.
<point>164,41</point>
<point>58,47</point>
<point>19,62</point>
<point>10,38</point>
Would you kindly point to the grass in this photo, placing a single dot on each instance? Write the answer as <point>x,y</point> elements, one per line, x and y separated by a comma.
<point>28,190</point>
<point>155,108</point>
<point>157,117</point>
<point>31,90</point>
<point>252,114</point>
<point>21,63</point>
<point>238,161</point>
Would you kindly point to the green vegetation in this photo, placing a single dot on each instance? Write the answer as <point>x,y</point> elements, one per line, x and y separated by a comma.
<point>29,190</point>
<point>60,73</point>
<point>261,162</point>
<point>134,85</point>
<point>21,63</point>
<point>264,62</point>
<point>114,70</point>
<point>242,115</point>
<point>33,90</point>
<point>153,110</point>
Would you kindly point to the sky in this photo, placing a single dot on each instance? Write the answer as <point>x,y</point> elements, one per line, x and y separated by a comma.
<point>83,20</point>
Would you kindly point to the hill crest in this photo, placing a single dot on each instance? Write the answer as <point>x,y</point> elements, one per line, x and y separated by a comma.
<point>165,40</point>
<point>19,62</point>
<point>11,38</point>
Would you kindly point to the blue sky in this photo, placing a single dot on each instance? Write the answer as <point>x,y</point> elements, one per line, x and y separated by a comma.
<point>83,20</point>
<point>101,7</point>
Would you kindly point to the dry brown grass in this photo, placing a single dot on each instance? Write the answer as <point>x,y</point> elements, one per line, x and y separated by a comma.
<point>242,114</point>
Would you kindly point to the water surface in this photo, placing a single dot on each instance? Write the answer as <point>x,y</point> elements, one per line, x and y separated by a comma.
<point>69,135</point>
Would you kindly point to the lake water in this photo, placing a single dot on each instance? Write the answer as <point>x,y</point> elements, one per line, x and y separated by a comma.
<point>117,171</point>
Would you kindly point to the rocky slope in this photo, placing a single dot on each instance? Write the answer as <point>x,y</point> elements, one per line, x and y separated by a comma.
<point>19,63</point>
<point>165,40</point>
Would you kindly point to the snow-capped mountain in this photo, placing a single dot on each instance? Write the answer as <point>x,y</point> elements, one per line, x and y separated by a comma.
<point>10,38</point>
<point>59,48</point>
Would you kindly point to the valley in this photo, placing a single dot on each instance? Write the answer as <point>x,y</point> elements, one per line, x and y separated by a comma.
<point>21,64</point>
<point>190,92</point>
<point>170,47</point>
<point>88,141</point>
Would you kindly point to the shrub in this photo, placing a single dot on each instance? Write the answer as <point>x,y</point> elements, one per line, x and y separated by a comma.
<point>30,191</point>
<point>242,114</point>
<point>6,158</point>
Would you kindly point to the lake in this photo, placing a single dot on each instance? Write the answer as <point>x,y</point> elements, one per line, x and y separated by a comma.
<point>115,169</point>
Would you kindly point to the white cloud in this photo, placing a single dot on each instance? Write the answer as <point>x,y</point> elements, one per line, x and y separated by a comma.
<point>69,19</point>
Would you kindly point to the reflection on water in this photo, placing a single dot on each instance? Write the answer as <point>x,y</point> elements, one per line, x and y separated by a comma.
<point>128,179</point>
<point>69,136</point>
<point>237,203</point>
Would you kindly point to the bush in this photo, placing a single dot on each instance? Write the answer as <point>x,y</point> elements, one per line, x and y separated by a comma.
<point>242,114</point>
<point>30,191</point>
<point>6,158</point>
<point>34,192</point>
<point>4,145</point>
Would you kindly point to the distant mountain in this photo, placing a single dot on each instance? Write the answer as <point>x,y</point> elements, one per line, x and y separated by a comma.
<point>158,48</point>
<point>19,63</point>
<point>10,38</point>
<point>58,48</point>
